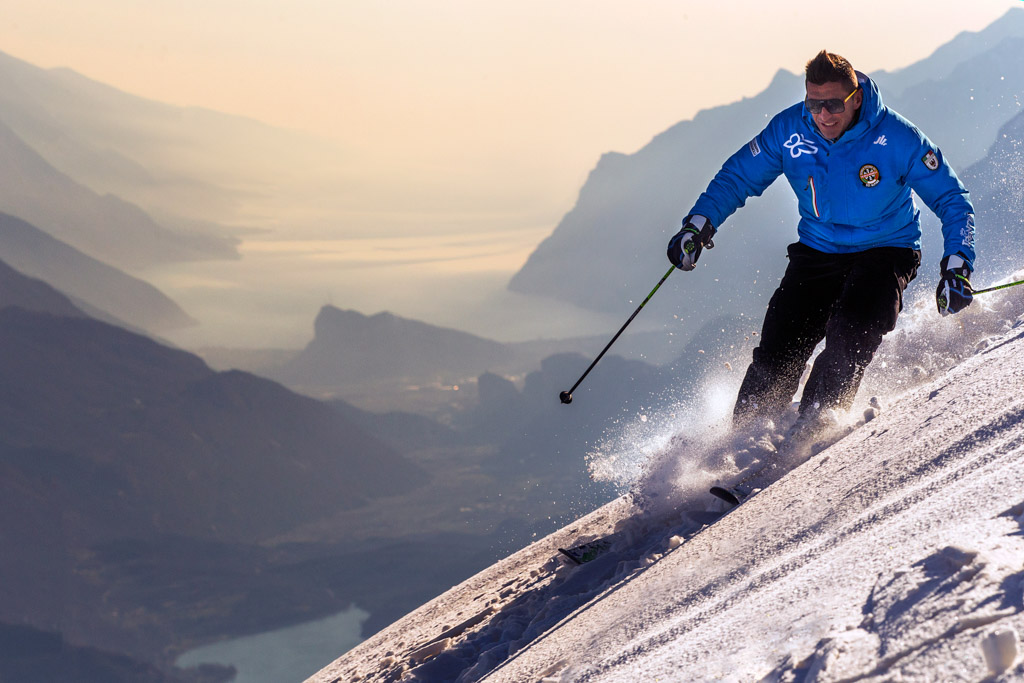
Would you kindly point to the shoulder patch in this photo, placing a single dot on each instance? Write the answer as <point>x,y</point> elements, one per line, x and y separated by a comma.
<point>755,149</point>
<point>931,160</point>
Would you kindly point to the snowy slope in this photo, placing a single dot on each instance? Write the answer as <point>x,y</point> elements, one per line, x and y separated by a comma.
<point>895,554</point>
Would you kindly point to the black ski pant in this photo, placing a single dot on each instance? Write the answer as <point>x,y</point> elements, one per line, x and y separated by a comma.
<point>849,300</point>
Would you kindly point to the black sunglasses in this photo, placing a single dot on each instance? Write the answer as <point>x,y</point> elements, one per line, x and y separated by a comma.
<point>834,106</point>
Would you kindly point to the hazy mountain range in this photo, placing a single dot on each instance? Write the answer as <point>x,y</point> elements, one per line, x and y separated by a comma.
<point>209,176</point>
<point>351,350</point>
<point>349,346</point>
<point>101,290</point>
<point>33,295</point>
<point>106,227</point>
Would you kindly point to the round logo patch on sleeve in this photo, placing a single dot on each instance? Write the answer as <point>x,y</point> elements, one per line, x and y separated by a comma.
<point>869,175</point>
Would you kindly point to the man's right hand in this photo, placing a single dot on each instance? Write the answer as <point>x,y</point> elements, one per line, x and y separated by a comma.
<point>685,247</point>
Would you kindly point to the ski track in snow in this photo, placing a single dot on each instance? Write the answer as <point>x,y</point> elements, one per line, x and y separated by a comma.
<point>895,554</point>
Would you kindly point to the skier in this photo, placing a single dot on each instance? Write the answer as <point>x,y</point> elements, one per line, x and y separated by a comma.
<point>852,163</point>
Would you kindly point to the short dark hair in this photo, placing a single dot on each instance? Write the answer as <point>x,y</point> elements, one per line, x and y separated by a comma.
<point>827,67</point>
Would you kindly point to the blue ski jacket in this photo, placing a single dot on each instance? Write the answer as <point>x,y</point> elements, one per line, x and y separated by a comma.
<point>855,193</point>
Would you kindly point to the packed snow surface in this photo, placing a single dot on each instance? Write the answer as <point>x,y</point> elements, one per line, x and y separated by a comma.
<point>894,553</point>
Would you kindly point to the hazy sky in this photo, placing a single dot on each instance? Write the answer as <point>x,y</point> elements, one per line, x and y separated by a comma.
<point>521,95</point>
<point>469,116</point>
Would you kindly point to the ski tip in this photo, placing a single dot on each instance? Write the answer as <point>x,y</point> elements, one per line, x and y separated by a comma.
<point>585,552</point>
<point>725,494</point>
<point>570,555</point>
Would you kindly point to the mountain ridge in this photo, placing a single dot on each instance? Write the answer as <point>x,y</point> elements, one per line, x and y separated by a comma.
<point>209,175</point>
<point>32,294</point>
<point>37,254</point>
<point>351,346</point>
<point>104,226</point>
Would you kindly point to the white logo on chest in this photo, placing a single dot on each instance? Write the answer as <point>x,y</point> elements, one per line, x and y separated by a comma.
<point>798,144</point>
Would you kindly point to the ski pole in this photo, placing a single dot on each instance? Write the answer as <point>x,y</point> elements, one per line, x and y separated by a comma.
<point>566,396</point>
<point>992,289</point>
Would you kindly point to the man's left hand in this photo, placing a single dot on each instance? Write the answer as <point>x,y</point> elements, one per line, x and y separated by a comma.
<point>954,292</point>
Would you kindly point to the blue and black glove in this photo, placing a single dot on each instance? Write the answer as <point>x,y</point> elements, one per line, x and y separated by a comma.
<point>954,292</point>
<point>685,247</point>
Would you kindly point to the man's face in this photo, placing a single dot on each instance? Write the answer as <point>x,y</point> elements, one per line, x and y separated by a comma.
<point>833,125</point>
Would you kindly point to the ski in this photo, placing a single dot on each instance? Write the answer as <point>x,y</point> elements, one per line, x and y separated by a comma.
<point>585,552</point>
<point>734,495</point>
<point>744,488</point>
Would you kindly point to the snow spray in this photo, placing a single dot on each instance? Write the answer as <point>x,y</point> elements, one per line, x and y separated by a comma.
<point>670,455</point>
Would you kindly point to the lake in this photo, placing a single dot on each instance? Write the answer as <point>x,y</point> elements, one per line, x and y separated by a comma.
<point>288,654</point>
